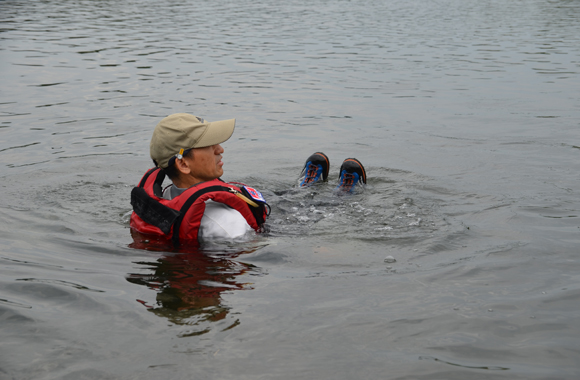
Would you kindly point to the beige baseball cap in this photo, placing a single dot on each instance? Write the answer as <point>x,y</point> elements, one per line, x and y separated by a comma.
<point>184,131</point>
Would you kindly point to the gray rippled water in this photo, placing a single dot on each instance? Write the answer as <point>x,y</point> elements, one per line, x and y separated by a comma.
<point>464,113</point>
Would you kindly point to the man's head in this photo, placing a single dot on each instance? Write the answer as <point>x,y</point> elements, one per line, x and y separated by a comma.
<point>183,143</point>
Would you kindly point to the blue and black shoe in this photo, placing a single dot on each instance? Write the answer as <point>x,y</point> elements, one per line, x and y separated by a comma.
<point>316,167</point>
<point>351,173</point>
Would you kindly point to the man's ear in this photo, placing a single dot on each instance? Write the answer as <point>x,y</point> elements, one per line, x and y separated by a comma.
<point>182,166</point>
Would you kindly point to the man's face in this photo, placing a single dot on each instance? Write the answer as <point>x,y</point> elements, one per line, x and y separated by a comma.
<point>206,163</point>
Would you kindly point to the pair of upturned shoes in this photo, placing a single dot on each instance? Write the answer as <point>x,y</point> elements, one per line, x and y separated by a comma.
<point>316,169</point>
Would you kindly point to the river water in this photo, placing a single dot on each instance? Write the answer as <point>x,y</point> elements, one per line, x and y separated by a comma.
<point>464,113</point>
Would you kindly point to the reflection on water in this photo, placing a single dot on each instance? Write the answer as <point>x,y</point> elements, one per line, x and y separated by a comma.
<point>189,286</point>
<point>189,283</point>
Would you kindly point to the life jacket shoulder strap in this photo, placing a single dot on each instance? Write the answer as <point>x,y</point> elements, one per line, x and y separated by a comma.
<point>187,205</point>
<point>157,182</point>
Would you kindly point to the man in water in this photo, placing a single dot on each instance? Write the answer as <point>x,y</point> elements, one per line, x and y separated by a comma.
<point>197,205</point>
<point>187,149</point>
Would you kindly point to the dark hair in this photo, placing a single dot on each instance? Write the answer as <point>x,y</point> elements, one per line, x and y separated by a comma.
<point>171,171</point>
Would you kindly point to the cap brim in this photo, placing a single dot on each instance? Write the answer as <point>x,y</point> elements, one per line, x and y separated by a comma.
<point>216,133</point>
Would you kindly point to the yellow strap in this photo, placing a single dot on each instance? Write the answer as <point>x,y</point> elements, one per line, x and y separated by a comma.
<point>246,199</point>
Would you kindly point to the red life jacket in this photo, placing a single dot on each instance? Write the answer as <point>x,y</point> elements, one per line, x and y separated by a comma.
<point>178,219</point>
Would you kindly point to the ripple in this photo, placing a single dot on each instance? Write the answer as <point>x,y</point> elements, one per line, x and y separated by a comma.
<point>59,282</point>
<point>484,367</point>
<point>16,304</point>
<point>48,84</point>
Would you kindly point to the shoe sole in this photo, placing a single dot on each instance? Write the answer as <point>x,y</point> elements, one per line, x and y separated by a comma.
<point>364,173</point>
<point>325,172</point>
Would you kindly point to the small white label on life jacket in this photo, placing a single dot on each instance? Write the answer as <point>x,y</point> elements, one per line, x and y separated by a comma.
<point>255,194</point>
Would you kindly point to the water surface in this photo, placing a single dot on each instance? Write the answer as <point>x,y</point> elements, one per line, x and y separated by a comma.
<point>464,113</point>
